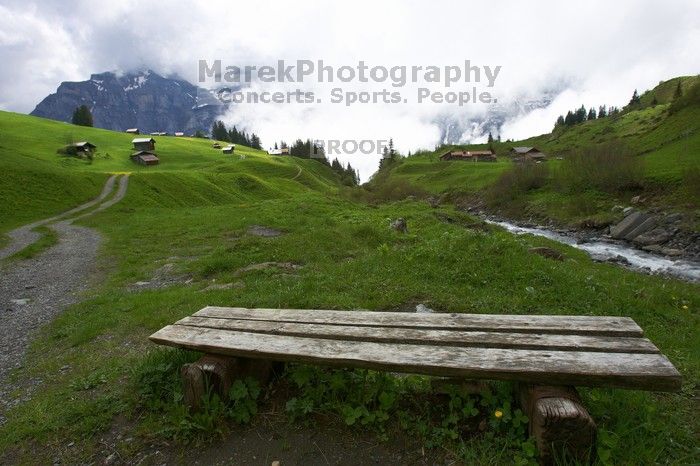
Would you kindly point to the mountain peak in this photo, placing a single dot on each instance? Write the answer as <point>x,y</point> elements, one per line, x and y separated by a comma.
<point>136,99</point>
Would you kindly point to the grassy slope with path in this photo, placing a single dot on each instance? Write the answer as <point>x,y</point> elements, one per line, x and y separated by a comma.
<point>193,212</point>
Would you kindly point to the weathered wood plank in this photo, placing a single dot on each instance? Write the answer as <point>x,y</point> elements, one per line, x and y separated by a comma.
<point>637,371</point>
<point>570,325</point>
<point>432,337</point>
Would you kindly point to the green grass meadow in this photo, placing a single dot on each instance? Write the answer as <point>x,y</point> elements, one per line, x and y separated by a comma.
<point>191,215</point>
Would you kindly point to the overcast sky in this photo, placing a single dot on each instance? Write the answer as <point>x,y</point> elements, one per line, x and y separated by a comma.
<point>596,52</point>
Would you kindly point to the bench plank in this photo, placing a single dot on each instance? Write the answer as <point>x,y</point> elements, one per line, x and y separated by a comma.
<point>642,371</point>
<point>565,325</point>
<point>431,337</point>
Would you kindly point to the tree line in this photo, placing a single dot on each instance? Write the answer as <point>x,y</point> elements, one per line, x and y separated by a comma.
<point>234,136</point>
<point>306,149</point>
<point>574,117</point>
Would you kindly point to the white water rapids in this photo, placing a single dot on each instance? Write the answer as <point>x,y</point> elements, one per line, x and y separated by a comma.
<point>602,250</point>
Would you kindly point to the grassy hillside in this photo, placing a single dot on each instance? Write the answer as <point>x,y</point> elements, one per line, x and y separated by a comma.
<point>348,259</point>
<point>667,146</point>
<point>38,182</point>
<point>183,228</point>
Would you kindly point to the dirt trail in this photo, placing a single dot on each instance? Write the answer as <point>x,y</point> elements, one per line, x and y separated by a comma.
<point>23,236</point>
<point>34,291</point>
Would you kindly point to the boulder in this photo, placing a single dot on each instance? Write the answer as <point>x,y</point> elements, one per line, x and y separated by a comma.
<point>654,248</point>
<point>632,226</point>
<point>648,224</point>
<point>627,211</point>
<point>656,236</point>
<point>548,253</point>
<point>399,225</point>
<point>423,309</point>
<point>673,252</point>
<point>618,259</point>
<point>673,218</point>
<point>435,202</point>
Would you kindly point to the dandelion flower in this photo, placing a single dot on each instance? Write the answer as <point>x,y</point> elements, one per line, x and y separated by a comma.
<point>498,414</point>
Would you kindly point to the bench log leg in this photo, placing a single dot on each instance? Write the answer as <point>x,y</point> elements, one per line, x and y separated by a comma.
<point>217,373</point>
<point>559,423</point>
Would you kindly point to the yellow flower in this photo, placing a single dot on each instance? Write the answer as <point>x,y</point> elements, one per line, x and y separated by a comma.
<point>498,413</point>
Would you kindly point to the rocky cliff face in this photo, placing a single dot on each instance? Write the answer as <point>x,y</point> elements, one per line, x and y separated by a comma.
<point>460,129</point>
<point>143,100</point>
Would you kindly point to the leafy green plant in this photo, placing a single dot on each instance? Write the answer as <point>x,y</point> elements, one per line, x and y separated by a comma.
<point>243,396</point>
<point>375,399</point>
<point>159,389</point>
<point>90,381</point>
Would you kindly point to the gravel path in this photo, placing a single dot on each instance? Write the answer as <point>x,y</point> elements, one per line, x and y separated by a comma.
<point>23,236</point>
<point>34,291</point>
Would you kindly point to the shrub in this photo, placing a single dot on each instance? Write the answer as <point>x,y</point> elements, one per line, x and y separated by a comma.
<point>68,150</point>
<point>520,179</point>
<point>609,167</point>
<point>394,190</point>
<point>691,97</point>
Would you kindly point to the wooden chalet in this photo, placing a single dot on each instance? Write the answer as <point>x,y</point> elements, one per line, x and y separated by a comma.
<point>133,131</point>
<point>470,156</point>
<point>144,157</point>
<point>144,144</point>
<point>84,147</point>
<point>283,151</point>
<point>527,154</point>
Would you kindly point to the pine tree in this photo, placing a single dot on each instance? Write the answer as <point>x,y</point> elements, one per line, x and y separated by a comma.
<point>255,141</point>
<point>569,119</point>
<point>635,98</point>
<point>654,101</point>
<point>560,122</point>
<point>82,116</point>
<point>602,112</point>
<point>219,132</point>
<point>679,91</point>
<point>591,114</point>
<point>490,138</point>
<point>581,114</point>
<point>392,152</point>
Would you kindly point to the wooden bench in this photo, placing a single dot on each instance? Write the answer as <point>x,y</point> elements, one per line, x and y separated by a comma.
<point>547,355</point>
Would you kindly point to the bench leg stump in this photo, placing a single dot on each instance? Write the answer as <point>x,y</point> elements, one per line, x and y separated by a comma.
<point>559,423</point>
<point>217,373</point>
